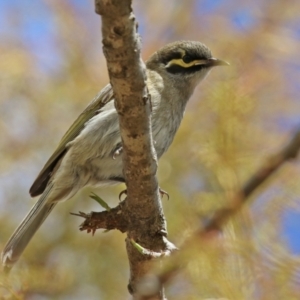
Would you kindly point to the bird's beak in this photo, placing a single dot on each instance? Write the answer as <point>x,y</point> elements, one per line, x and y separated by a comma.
<point>212,62</point>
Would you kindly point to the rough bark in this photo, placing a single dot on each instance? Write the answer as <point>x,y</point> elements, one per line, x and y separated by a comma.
<point>142,215</point>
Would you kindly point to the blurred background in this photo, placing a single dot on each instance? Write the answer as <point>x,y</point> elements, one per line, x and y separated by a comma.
<point>51,66</point>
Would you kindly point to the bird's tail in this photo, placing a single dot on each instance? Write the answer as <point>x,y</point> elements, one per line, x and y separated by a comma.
<point>25,231</point>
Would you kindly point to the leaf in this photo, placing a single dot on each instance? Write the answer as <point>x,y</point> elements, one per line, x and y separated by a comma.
<point>100,201</point>
<point>138,247</point>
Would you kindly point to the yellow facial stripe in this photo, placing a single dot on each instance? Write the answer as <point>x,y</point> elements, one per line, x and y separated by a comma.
<point>181,63</point>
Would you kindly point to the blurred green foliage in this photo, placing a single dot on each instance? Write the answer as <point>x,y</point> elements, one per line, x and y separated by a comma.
<point>234,121</point>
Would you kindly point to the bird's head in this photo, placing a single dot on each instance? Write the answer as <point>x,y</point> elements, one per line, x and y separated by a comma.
<point>184,61</point>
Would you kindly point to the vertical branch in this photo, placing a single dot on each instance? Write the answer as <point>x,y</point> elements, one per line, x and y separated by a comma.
<point>142,208</point>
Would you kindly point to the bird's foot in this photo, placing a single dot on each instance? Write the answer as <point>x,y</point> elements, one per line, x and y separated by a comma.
<point>161,191</point>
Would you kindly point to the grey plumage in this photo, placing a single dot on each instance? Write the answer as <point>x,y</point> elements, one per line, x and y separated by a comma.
<point>85,155</point>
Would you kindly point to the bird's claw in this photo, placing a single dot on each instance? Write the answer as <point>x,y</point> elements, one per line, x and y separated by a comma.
<point>117,152</point>
<point>121,194</point>
<point>162,193</point>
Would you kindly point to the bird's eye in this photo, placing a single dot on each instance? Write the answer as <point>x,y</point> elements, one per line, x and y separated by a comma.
<point>187,59</point>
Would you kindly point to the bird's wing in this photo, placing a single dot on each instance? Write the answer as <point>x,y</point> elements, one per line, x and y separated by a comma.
<point>40,183</point>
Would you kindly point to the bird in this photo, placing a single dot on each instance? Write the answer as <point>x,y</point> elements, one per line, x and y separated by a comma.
<point>90,152</point>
